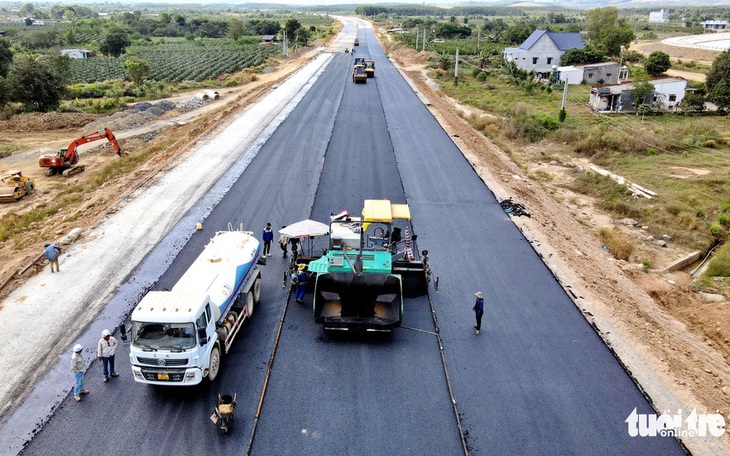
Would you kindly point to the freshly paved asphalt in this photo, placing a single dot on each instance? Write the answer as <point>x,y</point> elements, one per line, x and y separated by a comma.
<point>538,380</point>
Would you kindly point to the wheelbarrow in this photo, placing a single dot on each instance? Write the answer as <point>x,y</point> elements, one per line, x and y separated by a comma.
<point>223,412</point>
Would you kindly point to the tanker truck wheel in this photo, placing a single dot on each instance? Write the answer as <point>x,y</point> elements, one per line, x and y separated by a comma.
<point>249,304</point>
<point>256,290</point>
<point>215,363</point>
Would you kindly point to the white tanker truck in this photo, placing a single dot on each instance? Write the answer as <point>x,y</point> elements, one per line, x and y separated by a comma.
<point>178,336</point>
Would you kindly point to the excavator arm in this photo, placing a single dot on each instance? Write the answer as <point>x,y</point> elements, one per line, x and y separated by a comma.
<point>70,154</point>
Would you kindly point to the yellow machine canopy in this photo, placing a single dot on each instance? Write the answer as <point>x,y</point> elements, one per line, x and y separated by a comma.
<point>384,212</point>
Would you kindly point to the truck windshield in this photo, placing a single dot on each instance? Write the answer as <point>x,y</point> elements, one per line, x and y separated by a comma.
<point>163,336</point>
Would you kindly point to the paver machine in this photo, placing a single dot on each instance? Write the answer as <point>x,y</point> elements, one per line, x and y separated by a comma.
<point>371,264</point>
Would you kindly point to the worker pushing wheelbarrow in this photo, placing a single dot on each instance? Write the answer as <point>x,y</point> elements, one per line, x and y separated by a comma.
<point>223,412</point>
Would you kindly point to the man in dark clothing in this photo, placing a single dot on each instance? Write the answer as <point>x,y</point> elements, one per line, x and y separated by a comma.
<point>294,248</point>
<point>268,236</point>
<point>479,310</point>
<point>283,241</point>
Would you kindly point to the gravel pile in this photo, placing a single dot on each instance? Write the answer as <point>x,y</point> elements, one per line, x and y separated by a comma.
<point>188,104</point>
<point>140,114</point>
<point>165,105</point>
<point>139,107</point>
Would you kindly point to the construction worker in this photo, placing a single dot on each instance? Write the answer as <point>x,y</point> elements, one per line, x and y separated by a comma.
<point>52,251</point>
<point>301,283</point>
<point>283,241</point>
<point>268,236</point>
<point>478,310</point>
<point>105,353</point>
<point>78,366</point>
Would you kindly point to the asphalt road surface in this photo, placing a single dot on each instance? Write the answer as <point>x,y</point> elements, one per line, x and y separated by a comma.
<point>538,380</point>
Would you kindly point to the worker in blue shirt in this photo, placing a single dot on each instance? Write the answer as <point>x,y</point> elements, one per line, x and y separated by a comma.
<point>268,236</point>
<point>52,251</point>
<point>301,283</point>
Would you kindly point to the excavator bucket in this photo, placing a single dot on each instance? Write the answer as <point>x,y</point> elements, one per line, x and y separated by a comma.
<point>361,302</point>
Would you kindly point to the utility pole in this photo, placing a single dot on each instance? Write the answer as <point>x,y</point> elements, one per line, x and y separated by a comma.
<point>456,68</point>
<point>416,46</point>
<point>424,40</point>
<point>565,94</point>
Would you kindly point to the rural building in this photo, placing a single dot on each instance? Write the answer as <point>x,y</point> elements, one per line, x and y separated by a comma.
<point>38,23</point>
<point>267,40</point>
<point>395,30</point>
<point>600,73</point>
<point>542,50</point>
<point>667,94</point>
<point>592,73</point>
<point>77,53</point>
<point>570,74</point>
<point>714,25</point>
<point>659,17</point>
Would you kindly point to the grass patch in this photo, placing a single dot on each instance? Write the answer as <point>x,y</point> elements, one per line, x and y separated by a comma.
<point>618,245</point>
<point>720,265</point>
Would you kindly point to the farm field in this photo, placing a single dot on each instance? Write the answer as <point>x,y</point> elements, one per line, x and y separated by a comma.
<point>173,63</point>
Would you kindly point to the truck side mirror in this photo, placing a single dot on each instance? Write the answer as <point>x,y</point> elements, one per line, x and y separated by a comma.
<point>203,336</point>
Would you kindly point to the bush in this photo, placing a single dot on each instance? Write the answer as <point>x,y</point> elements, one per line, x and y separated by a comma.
<point>482,77</point>
<point>618,245</point>
<point>716,229</point>
<point>710,143</point>
<point>475,72</point>
<point>722,220</point>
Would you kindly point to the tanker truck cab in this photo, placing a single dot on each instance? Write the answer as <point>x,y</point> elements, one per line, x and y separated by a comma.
<point>179,336</point>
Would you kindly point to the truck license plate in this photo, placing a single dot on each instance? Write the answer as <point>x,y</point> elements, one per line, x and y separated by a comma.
<point>163,377</point>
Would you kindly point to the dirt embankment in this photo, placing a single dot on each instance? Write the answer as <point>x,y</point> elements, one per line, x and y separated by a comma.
<point>674,343</point>
<point>165,140</point>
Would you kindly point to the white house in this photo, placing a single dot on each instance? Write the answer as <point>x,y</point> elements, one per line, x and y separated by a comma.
<point>667,94</point>
<point>77,53</point>
<point>659,17</point>
<point>542,50</point>
<point>714,25</point>
<point>570,74</point>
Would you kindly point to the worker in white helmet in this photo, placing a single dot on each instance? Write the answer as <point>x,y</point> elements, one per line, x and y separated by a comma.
<point>105,353</point>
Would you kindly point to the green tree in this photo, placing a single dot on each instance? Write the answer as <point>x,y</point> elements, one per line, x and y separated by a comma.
<point>720,95</point>
<point>236,29</point>
<point>35,84</point>
<point>606,31</point>
<point>693,102</point>
<point>115,42</point>
<point>137,69</point>
<point>720,71</point>
<point>657,63</point>
<point>6,57</point>
<point>582,56</point>
<point>27,9</point>
<point>642,90</point>
<point>3,93</point>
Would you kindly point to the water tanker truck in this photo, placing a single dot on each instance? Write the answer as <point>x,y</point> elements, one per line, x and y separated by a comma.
<point>371,263</point>
<point>178,336</point>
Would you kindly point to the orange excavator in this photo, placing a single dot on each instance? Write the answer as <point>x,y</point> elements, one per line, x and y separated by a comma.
<point>65,162</point>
